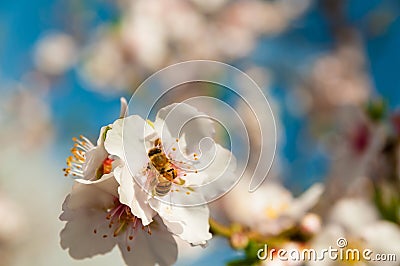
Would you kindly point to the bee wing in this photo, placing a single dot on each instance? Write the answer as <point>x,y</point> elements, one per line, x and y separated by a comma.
<point>152,178</point>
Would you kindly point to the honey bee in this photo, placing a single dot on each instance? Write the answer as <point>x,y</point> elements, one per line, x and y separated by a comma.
<point>165,173</point>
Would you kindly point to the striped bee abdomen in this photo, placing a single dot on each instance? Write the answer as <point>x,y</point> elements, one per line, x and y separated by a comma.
<point>163,187</point>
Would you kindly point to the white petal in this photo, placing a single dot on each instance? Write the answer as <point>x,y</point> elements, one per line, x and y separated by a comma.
<point>158,248</point>
<point>78,235</point>
<point>94,157</point>
<point>100,193</point>
<point>190,223</point>
<point>131,195</point>
<point>132,147</point>
<point>216,178</point>
<point>382,237</point>
<point>93,160</point>
<point>102,135</point>
<point>124,108</point>
<point>326,238</point>
<point>353,214</point>
<point>180,119</point>
<point>269,206</point>
<point>306,201</point>
<point>113,141</point>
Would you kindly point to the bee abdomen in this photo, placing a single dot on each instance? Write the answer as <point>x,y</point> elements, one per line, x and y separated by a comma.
<point>163,188</point>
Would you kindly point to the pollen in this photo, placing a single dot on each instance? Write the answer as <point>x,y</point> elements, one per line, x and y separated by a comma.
<point>272,212</point>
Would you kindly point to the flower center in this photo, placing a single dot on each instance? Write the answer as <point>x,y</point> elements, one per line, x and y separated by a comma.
<point>123,221</point>
<point>77,159</point>
<point>274,212</point>
<point>105,167</point>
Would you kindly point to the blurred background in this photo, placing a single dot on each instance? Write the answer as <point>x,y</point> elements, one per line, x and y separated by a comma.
<point>329,69</point>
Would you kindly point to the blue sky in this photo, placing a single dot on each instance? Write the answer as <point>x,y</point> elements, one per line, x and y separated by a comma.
<point>76,110</point>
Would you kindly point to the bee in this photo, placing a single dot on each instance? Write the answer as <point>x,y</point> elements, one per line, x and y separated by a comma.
<point>165,172</point>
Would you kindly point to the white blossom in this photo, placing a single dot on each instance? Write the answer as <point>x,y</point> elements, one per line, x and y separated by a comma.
<point>55,52</point>
<point>97,221</point>
<point>358,222</point>
<point>182,208</point>
<point>271,208</point>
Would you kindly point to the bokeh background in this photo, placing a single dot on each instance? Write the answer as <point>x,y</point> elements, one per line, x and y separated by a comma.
<point>65,64</point>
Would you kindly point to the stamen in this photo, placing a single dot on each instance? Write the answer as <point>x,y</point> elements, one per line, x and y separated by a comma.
<point>125,221</point>
<point>148,230</point>
<point>134,224</point>
<point>119,228</point>
<point>87,142</point>
<point>76,161</point>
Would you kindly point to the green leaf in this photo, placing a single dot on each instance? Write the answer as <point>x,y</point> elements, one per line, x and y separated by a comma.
<point>244,262</point>
<point>376,109</point>
<point>252,249</point>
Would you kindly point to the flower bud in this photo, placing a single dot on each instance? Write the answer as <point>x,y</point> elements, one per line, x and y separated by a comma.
<point>310,224</point>
<point>239,240</point>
